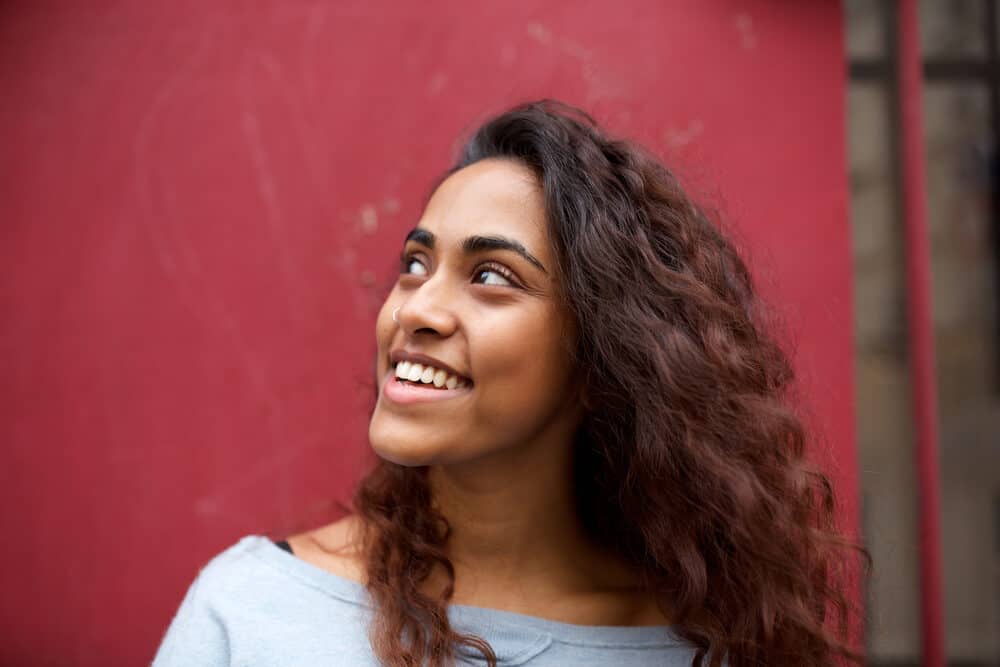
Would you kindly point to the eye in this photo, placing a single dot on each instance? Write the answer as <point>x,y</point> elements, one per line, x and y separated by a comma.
<point>495,275</point>
<point>407,264</point>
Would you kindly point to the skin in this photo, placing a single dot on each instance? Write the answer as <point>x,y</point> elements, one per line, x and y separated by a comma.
<point>499,454</point>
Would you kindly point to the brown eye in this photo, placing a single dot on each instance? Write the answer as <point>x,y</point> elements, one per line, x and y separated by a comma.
<point>494,275</point>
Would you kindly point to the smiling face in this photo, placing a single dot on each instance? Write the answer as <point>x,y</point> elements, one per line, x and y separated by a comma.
<point>476,298</point>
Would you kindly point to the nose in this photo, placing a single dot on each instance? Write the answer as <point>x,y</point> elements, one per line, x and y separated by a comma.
<point>428,310</point>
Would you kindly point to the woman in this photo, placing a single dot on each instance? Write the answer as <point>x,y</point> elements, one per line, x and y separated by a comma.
<point>585,452</point>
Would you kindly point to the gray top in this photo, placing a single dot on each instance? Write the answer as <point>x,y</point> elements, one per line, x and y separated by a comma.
<point>256,604</point>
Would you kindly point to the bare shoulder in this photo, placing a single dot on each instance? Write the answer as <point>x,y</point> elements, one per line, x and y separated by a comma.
<point>335,547</point>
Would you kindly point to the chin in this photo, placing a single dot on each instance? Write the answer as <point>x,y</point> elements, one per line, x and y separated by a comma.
<point>402,450</point>
<point>404,456</point>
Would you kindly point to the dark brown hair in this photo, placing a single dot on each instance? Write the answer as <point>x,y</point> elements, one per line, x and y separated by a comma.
<point>689,463</point>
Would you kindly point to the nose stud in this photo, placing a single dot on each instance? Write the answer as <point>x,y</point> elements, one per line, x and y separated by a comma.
<point>395,318</point>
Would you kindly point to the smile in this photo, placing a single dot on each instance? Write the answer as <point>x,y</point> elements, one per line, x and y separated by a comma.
<point>428,375</point>
<point>403,391</point>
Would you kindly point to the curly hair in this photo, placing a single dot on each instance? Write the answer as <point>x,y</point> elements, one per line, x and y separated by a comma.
<point>689,463</point>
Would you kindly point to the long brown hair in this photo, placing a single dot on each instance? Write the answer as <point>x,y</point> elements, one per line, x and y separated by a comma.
<point>689,462</point>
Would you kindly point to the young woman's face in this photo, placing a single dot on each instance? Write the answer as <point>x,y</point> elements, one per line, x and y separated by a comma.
<point>475,303</point>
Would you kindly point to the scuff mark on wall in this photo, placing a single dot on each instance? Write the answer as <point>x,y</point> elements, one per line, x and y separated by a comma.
<point>748,36</point>
<point>600,84</point>
<point>315,25</point>
<point>539,33</point>
<point>274,212</point>
<point>543,35</point>
<point>678,138</point>
<point>369,219</point>
<point>144,187</point>
<point>437,83</point>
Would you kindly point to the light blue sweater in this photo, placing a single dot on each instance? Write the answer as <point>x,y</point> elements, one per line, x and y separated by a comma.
<point>255,604</point>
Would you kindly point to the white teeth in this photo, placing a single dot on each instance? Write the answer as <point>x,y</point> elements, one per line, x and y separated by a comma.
<point>406,370</point>
<point>416,370</point>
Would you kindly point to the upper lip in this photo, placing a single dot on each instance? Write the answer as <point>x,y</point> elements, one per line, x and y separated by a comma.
<point>416,358</point>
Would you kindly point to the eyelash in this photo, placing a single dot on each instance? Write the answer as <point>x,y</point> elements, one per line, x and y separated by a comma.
<point>504,272</point>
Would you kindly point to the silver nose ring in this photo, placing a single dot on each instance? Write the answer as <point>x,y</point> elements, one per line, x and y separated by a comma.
<point>395,318</point>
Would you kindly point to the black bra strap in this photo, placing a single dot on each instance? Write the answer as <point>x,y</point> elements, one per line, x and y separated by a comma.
<point>284,545</point>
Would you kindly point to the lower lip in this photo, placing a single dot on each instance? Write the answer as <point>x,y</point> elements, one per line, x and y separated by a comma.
<point>409,393</point>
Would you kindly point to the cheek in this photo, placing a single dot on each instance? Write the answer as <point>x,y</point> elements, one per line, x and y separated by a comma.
<point>526,369</point>
<point>384,330</point>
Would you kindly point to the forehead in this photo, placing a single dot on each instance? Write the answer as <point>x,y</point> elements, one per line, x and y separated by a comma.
<point>490,197</point>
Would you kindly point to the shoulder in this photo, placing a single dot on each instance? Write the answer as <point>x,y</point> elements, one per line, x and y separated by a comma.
<point>198,633</point>
<point>337,547</point>
<point>255,604</point>
<point>243,576</point>
<point>233,568</point>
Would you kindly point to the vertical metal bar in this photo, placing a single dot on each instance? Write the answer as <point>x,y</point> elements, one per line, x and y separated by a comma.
<point>993,81</point>
<point>890,81</point>
<point>921,327</point>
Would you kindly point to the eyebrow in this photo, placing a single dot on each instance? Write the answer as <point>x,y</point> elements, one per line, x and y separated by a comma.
<point>473,244</point>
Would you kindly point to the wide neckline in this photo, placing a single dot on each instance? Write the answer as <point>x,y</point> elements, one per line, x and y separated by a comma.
<point>354,592</point>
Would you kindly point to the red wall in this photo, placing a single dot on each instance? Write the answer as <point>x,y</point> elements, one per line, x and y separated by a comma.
<point>201,201</point>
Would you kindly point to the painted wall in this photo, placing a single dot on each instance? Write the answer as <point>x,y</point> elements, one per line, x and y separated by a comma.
<point>200,204</point>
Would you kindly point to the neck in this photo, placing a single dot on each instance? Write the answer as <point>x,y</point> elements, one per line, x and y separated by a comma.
<point>514,526</point>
